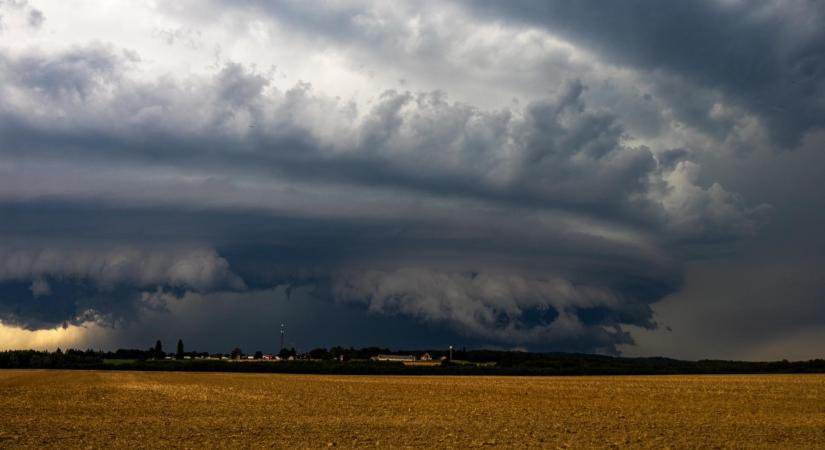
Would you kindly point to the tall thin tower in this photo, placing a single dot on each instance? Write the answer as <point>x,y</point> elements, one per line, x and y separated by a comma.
<point>282,336</point>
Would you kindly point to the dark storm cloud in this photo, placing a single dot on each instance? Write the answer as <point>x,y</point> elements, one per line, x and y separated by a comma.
<point>81,281</point>
<point>765,58</point>
<point>556,154</point>
<point>539,225</point>
<point>578,274</point>
<point>765,300</point>
<point>768,57</point>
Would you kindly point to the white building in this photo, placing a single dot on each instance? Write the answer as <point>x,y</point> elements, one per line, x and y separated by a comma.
<point>394,358</point>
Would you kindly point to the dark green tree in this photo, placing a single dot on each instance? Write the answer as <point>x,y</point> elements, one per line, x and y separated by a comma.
<point>179,354</point>
<point>159,350</point>
<point>286,353</point>
<point>320,353</point>
<point>236,353</point>
<point>259,354</point>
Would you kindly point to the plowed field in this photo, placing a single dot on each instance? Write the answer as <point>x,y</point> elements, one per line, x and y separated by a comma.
<point>84,409</point>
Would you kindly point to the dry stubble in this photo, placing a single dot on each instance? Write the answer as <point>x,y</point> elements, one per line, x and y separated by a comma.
<point>77,409</point>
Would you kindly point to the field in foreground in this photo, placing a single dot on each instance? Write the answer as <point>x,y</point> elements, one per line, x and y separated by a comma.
<point>81,409</point>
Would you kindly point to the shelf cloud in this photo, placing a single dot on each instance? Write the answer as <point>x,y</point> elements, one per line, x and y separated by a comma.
<point>534,175</point>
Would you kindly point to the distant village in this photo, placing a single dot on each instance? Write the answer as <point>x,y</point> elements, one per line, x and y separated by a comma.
<point>289,354</point>
<point>421,359</point>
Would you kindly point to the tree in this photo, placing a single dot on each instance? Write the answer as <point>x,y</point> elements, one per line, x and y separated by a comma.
<point>320,353</point>
<point>259,354</point>
<point>236,353</point>
<point>285,354</point>
<point>179,354</point>
<point>159,350</point>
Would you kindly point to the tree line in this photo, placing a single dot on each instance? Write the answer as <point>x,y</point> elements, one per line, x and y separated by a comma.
<point>342,360</point>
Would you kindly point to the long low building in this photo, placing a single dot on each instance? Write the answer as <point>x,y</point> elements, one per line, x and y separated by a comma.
<point>395,358</point>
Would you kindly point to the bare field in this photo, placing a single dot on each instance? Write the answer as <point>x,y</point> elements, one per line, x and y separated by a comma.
<point>84,409</point>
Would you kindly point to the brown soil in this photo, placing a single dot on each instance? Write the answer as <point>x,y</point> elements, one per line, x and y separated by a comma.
<point>84,409</point>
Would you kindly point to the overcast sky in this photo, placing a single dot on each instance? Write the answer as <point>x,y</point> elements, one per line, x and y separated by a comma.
<point>636,178</point>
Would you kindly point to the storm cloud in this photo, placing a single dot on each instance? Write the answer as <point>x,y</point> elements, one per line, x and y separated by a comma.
<point>765,57</point>
<point>515,180</point>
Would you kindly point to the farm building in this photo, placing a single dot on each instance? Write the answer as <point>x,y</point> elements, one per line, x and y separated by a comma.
<point>396,358</point>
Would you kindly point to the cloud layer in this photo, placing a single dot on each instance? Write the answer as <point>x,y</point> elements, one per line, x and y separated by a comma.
<point>496,171</point>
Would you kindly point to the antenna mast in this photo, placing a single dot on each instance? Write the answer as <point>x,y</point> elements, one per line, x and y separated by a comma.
<point>282,336</point>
